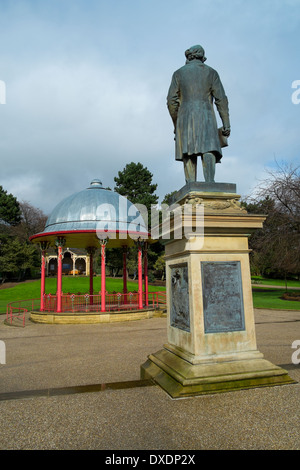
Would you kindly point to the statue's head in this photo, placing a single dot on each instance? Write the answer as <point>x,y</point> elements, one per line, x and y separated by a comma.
<point>195,52</point>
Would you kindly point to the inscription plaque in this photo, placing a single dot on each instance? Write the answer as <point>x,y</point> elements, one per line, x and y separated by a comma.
<point>222,296</point>
<point>179,309</point>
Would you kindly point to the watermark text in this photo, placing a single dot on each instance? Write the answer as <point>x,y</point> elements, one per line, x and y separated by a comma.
<point>296,93</point>
<point>2,92</point>
<point>2,353</point>
<point>296,354</point>
<point>167,222</point>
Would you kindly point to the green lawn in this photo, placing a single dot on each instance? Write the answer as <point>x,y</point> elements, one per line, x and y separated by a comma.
<point>274,282</point>
<point>262,297</point>
<point>270,298</point>
<point>31,290</point>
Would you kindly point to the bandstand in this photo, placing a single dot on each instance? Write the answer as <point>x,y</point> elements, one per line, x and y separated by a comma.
<point>96,219</point>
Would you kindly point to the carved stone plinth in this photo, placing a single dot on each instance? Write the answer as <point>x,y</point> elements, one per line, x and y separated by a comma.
<point>214,196</point>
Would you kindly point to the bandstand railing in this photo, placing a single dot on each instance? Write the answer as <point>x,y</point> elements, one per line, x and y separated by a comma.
<point>114,302</point>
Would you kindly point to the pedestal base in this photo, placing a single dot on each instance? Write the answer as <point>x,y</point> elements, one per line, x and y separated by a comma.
<point>211,344</point>
<point>198,187</point>
<point>180,378</point>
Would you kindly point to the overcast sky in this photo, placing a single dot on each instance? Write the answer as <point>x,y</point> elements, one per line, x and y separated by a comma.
<point>87,80</point>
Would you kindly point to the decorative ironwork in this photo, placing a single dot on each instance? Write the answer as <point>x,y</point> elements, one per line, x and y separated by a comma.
<point>60,242</point>
<point>44,245</point>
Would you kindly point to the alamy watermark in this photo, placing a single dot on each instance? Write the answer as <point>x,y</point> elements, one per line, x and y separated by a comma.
<point>2,92</point>
<point>296,93</point>
<point>296,354</point>
<point>2,353</point>
<point>167,222</point>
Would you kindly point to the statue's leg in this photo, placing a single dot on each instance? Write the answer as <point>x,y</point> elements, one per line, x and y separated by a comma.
<point>190,169</point>
<point>209,167</point>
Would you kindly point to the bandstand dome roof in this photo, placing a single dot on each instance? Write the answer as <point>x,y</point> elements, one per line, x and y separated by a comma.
<point>95,213</point>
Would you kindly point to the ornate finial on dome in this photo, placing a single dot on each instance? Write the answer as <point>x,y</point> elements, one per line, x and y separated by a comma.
<point>96,184</point>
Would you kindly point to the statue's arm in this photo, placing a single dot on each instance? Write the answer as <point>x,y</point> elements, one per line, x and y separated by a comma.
<point>173,99</point>
<point>221,103</point>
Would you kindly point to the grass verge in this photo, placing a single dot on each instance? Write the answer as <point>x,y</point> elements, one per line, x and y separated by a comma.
<point>271,298</point>
<point>262,297</point>
<point>275,282</point>
<point>31,290</point>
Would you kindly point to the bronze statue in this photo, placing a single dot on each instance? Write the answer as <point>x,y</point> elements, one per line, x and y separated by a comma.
<point>193,90</point>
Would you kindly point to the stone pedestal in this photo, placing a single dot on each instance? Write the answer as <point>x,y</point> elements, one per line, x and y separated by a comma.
<point>211,343</point>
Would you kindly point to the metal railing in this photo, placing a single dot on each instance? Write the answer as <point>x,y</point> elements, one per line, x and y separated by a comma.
<point>115,301</point>
<point>159,299</point>
<point>17,310</point>
<point>80,303</point>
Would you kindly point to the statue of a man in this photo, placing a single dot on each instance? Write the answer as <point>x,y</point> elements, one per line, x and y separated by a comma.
<point>194,89</point>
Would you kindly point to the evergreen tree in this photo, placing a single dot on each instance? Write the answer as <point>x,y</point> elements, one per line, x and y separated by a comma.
<point>10,212</point>
<point>15,258</point>
<point>17,223</point>
<point>135,182</point>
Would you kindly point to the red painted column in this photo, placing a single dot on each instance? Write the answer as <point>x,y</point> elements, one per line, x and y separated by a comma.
<point>146,273</point>
<point>103,283</point>
<point>125,274</point>
<point>59,243</point>
<point>44,246</point>
<point>140,277</point>
<point>91,251</point>
<point>91,275</point>
<point>59,279</point>
<point>42,306</point>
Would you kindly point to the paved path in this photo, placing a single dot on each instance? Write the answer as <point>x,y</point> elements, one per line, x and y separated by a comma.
<point>125,415</point>
<point>269,286</point>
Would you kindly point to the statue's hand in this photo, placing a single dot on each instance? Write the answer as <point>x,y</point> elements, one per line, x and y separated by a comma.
<point>226,131</point>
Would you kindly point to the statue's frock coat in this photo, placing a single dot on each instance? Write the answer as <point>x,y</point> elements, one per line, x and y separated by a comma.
<point>194,89</point>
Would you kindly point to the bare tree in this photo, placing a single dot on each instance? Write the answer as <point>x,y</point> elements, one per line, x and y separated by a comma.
<point>33,221</point>
<point>283,186</point>
<point>278,243</point>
